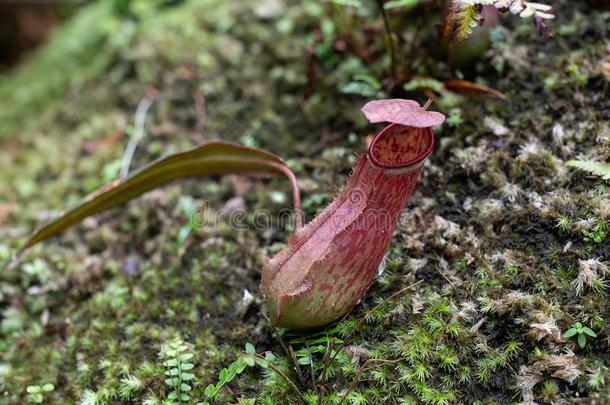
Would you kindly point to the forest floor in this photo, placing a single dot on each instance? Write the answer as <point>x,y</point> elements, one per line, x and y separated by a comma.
<point>510,247</point>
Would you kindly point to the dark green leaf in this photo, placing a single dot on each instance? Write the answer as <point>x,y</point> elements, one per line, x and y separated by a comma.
<point>208,159</point>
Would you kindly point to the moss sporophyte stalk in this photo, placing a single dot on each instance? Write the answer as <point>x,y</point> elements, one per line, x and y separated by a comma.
<point>329,263</point>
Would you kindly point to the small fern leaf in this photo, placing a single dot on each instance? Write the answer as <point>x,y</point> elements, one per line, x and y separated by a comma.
<point>467,18</point>
<point>461,18</point>
<point>601,169</point>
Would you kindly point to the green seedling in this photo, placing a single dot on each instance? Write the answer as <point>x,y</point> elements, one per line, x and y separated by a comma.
<point>581,332</point>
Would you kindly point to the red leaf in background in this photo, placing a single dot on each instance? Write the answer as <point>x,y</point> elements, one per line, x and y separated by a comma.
<point>474,89</point>
<point>404,112</point>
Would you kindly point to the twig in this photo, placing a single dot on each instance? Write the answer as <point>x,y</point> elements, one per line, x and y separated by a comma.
<point>313,375</point>
<point>200,110</point>
<point>138,132</point>
<point>288,350</point>
<point>285,377</point>
<point>428,103</point>
<point>389,38</point>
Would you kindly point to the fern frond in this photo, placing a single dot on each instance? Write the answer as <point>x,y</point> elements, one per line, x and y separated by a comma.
<point>601,169</point>
<point>468,18</point>
<point>462,17</point>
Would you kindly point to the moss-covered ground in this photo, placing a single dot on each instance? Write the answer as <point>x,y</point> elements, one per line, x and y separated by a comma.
<point>508,247</point>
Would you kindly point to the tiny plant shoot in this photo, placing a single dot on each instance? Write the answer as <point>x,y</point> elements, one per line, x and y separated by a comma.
<point>328,264</point>
<point>579,332</point>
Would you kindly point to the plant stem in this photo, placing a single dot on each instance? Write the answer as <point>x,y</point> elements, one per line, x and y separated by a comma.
<point>285,377</point>
<point>389,38</point>
<point>296,194</point>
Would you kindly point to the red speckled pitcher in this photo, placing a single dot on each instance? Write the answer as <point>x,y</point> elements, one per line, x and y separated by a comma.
<point>329,264</point>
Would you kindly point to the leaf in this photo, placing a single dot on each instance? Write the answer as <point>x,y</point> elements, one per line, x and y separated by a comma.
<point>461,19</point>
<point>261,362</point>
<point>404,112</point>
<point>569,333</point>
<point>48,387</point>
<point>250,348</point>
<point>601,169</point>
<point>249,361</point>
<point>188,376</point>
<point>185,397</point>
<point>171,363</point>
<point>474,89</point>
<point>304,361</point>
<point>212,158</point>
<point>589,332</point>
<point>360,88</point>
<point>582,341</point>
<point>363,85</point>
<point>186,366</point>
<point>400,4</point>
<point>185,387</point>
<point>33,389</point>
<point>210,391</point>
<point>357,4</point>
<point>240,365</point>
<point>424,82</point>
<point>186,356</point>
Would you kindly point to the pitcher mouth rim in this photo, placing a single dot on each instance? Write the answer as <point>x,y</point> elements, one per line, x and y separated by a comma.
<point>409,163</point>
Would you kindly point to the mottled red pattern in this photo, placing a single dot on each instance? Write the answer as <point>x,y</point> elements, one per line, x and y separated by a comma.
<point>399,146</point>
<point>330,263</point>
